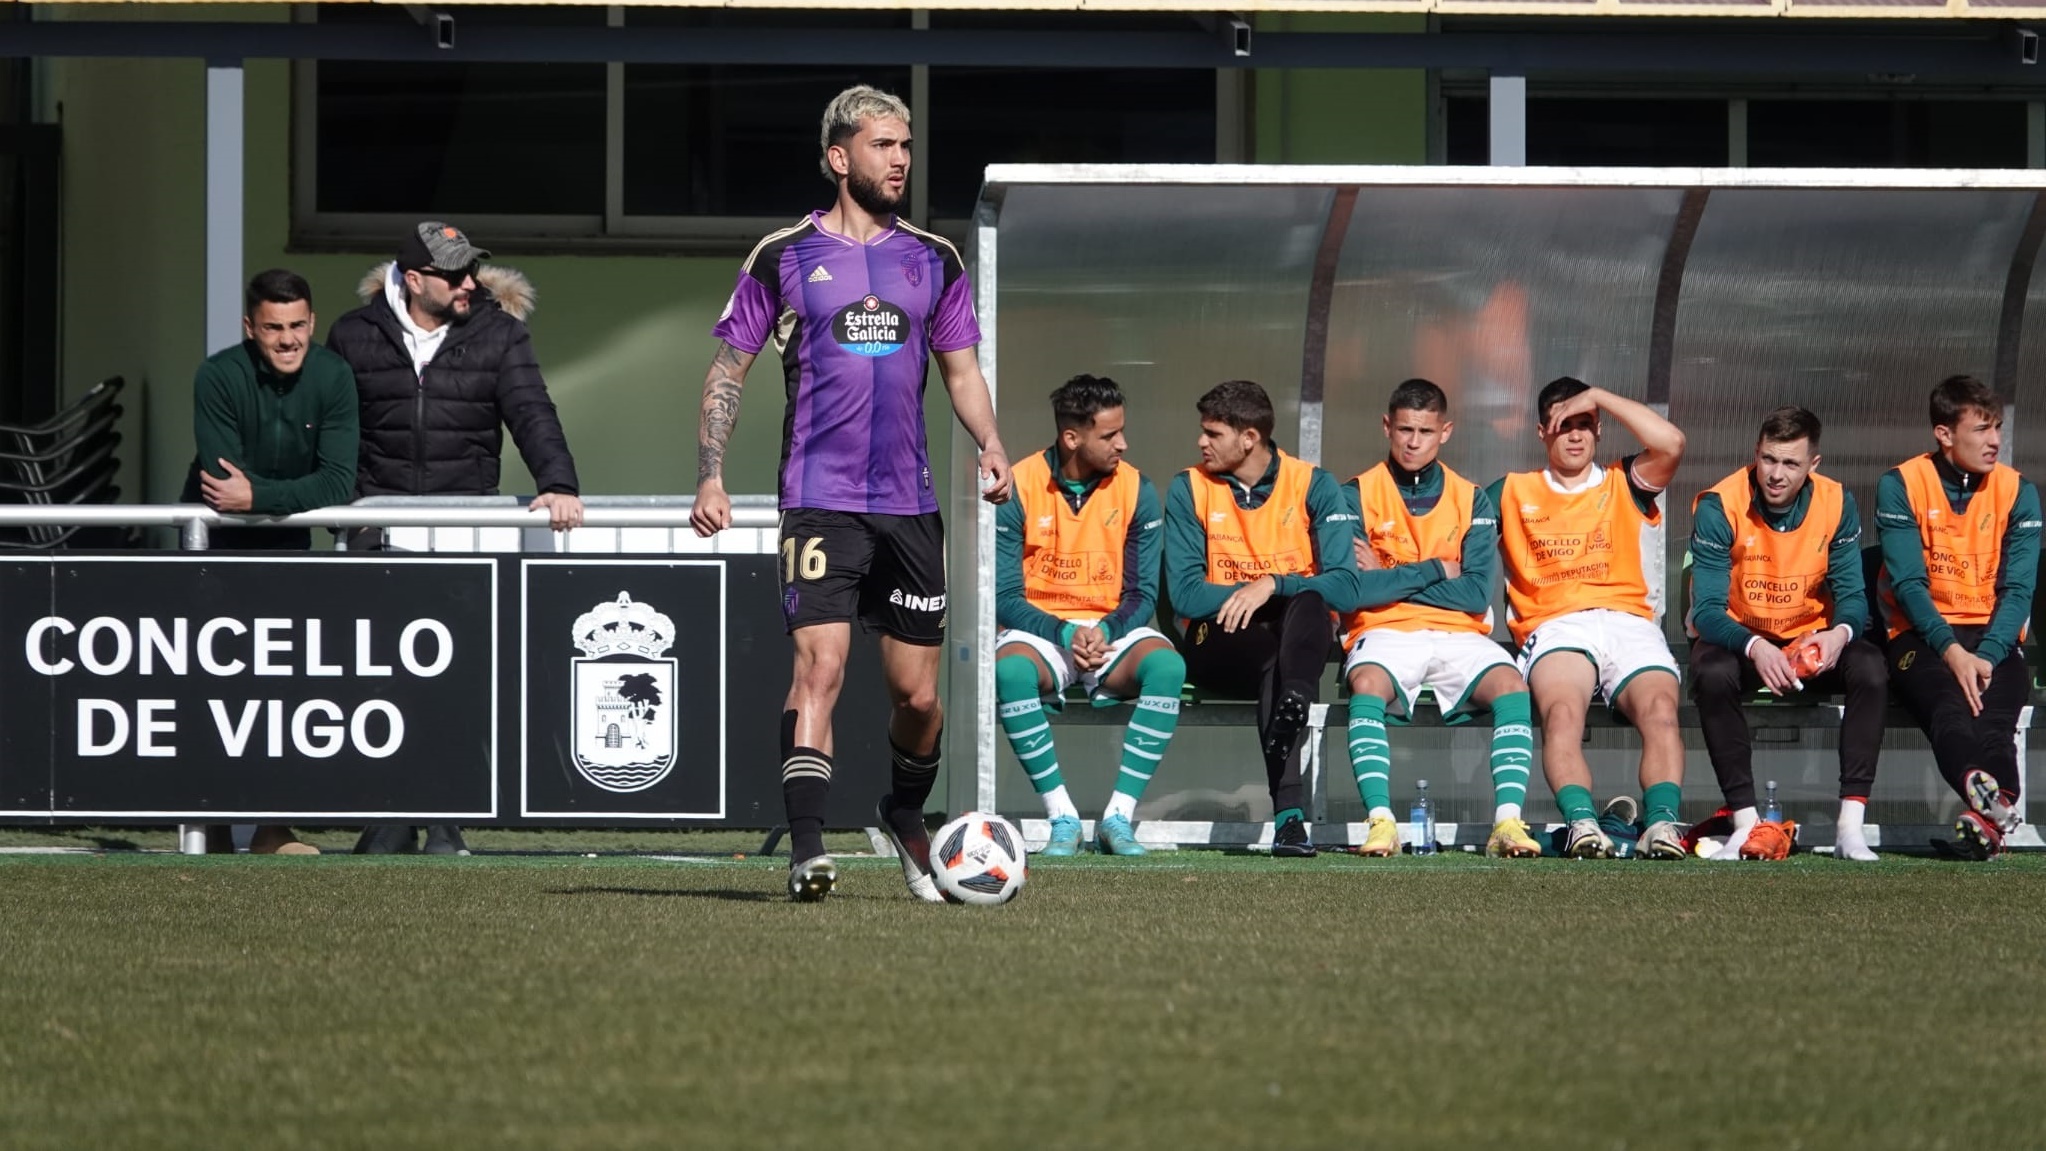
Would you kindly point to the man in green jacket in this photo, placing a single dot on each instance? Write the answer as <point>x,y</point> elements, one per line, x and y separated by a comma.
<point>276,426</point>
<point>275,419</point>
<point>1960,536</point>
<point>1257,556</point>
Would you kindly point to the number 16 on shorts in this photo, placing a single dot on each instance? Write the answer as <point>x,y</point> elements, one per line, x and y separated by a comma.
<point>801,558</point>
<point>808,561</point>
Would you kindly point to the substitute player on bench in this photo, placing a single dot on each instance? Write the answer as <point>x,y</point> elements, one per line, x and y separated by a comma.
<point>1776,569</point>
<point>1584,568</point>
<point>1076,582</point>
<point>1960,538</point>
<point>855,301</point>
<point>1257,554</point>
<point>1437,534</point>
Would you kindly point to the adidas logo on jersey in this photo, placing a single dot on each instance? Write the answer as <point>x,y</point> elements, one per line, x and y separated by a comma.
<point>821,275</point>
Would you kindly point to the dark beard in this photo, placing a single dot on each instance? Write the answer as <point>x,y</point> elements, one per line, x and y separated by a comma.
<point>872,197</point>
<point>447,314</point>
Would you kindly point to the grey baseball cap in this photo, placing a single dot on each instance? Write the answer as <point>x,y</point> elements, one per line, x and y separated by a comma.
<point>434,244</point>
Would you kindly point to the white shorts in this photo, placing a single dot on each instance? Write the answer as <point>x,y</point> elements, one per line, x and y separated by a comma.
<point>1448,663</point>
<point>1619,645</point>
<point>1063,670</point>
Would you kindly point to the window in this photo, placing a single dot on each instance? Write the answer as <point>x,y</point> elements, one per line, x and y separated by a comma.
<point>1610,128</point>
<point>1587,131</point>
<point>480,139</point>
<point>725,140</point>
<point>1077,116</point>
<point>982,116</point>
<point>1886,133</point>
<point>694,155</point>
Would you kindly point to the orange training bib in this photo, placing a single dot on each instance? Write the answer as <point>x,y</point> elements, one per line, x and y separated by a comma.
<point>1073,561</point>
<point>1272,539</point>
<point>1962,551</point>
<point>1779,586</point>
<point>1400,537</point>
<point>1572,551</point>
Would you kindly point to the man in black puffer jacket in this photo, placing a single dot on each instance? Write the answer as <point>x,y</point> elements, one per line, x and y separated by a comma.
<point>443,364</point>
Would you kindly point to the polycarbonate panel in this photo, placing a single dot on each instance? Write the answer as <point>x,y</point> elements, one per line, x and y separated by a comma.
<point>1853,304</point>
<point>2024,441</point>
<point>1490,293</point>
<point>1168,290</point>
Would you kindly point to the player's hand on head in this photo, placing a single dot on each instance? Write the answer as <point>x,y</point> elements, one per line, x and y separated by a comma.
<point>1580,404</point>
<point>713,510</point>
<point>995,485</point>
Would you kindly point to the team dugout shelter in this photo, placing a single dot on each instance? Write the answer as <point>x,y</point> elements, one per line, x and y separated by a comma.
<point>1713,295</point>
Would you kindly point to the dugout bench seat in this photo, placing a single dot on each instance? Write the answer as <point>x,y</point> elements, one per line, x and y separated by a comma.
<point>1771,721</point>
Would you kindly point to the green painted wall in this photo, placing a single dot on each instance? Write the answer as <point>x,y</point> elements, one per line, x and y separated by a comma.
<point>1337,115</point>
<point>623,340</point>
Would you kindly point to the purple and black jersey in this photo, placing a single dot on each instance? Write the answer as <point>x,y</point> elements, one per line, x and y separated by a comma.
<point>855,325</point>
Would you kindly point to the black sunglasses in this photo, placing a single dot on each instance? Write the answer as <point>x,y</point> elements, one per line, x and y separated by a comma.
<point>454,279</point>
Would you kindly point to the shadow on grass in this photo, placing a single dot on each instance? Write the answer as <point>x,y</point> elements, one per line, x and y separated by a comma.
<point>81,837</point>
<point>731,895</point>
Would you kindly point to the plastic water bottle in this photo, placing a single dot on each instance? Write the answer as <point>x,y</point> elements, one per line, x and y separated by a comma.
<point>1423,815</point>
<point>1772,811</point>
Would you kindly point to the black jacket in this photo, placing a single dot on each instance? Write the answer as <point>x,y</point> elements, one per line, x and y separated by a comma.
<point>443,432</point>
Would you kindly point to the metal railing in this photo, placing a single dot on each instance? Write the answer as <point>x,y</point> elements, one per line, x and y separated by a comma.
<point>196,521</point>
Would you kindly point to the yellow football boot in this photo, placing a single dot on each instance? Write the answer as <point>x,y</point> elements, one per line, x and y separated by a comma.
<point>1381,837</point>
<point>1510,840</point>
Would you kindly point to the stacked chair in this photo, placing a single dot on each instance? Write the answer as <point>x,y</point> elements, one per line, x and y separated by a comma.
<point>67,459</point>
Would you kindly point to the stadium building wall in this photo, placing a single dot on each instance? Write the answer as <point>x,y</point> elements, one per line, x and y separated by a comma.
<point>623,339</point>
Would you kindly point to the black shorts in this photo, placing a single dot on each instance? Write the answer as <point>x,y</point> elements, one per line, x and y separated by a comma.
<point>887,571</point>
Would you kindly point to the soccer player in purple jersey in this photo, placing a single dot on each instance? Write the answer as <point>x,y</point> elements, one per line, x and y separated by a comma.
<point>856,302</point>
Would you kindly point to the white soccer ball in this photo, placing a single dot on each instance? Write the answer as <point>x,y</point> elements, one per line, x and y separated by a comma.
<point>978,858</point>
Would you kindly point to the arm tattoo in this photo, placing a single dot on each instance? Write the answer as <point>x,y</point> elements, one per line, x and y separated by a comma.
<point>720,413</point>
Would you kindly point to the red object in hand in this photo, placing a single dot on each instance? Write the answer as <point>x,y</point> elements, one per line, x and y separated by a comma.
<point>1805,657</point>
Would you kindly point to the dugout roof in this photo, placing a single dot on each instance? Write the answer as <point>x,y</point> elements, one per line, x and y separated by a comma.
<point>1716,294</point>
<point>1881,9</point>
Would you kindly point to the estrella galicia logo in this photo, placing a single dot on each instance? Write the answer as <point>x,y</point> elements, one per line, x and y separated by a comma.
<point>624,696</point>
<point>872,327</point>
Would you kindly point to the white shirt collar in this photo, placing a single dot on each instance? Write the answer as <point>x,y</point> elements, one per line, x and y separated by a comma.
<point>1593,476</point>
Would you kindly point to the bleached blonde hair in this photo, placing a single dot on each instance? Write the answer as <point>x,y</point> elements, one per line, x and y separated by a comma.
<point>847,112</point>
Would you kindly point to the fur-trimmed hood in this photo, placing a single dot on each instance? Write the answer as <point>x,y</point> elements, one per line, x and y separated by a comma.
<point>508,286</point>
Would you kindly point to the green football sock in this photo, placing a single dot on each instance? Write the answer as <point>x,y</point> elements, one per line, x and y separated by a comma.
<point>1512,748</point>
<point>1370,754</point>
<point>1023,722</point>
<point>1660,802</point>
<point>1160,677</point>
<point>1575,802</point>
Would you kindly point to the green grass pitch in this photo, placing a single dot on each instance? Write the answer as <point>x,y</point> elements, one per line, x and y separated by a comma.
<point>1188,1000</point>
